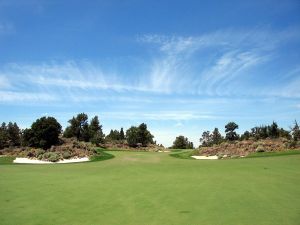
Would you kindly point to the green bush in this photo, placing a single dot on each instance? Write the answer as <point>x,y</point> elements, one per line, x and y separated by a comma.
<point>54,157</point>
<point>39,152</point>
<point>66,155</point>
<point>51,156</point>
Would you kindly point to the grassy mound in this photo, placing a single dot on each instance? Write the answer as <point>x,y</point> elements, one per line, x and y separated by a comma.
<point>4,160</point>
<point>246,147</point>
<point>184,154</point>
<point>101,155</point>
<point>270,154</point>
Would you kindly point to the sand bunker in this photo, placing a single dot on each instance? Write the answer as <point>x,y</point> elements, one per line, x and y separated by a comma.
<point>36,161</point>
<point>204,157</point>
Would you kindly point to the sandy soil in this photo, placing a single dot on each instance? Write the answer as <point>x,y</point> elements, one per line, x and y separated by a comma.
<point>36,161</point>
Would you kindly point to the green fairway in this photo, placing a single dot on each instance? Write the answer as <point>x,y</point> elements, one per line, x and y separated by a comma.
<point>153,188</point>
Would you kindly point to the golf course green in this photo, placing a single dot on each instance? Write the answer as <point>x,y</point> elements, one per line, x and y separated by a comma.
<point>153,188</point>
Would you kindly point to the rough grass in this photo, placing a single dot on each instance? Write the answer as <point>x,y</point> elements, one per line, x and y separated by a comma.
<point>184,154</point>
<point>6,160</point>
<point>153,188</point>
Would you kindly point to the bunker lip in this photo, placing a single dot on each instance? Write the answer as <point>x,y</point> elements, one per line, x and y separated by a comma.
<point>36,161</point>
<point>204,157</point>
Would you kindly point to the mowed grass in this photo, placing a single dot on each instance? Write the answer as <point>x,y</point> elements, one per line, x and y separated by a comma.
<point>153,188</point>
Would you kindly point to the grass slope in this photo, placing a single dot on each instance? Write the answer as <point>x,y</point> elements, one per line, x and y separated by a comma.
<point>153,188</point>
<point>6,160</point>
<point>270,154</point>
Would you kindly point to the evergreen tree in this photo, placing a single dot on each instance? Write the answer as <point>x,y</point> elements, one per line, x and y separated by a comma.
<point>95,131</point>
<point>132,136</point>
<point>144,136</point>
<point>114,135</point>
<point>3,136</point>
<point>182,142</point>
<point>95,126</point>
<point>122,135</point>
<point>44,133</point>
<point>216,136</point>
<point>78,127</point>
<point>206,139</point>
<point>296,131</point>
<point>13,132</point>
<point>246,135</point>
<point>231,135</point>
<point>284,134</point>
<point>273,130</point>
<point>139,135</point>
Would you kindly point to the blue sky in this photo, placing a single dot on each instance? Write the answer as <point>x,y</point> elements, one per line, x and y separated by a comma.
<point>182,67</point>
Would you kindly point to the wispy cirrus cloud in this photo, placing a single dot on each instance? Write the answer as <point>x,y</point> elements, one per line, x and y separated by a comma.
<point>4,82</point>
<point>17,97</point>
<point>230,56</point>
<point>213,64</point>
<point>174,115</point>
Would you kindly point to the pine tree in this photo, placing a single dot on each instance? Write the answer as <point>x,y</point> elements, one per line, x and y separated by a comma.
<point>122,135</point>
<point>231,135</point>
<point>3,136</point>
<point>13,132</point>
<point>296,131</point>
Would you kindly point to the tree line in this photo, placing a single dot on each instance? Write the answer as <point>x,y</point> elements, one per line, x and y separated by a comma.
<point>45,132</point>
<point>272,131</point>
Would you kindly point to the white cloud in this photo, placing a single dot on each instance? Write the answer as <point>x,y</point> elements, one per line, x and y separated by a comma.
<point>9,96</point>
<point>158,115</point>
<point>4,82</point>
<point>178,124</point>
<point>179,67</point>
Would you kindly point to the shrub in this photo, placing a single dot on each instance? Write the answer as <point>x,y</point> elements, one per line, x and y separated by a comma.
<point>66,155</point>
<point>260,149</point>
<point>51,156</point>
<point>291,144</point>
<point>31,153</point>
<point>54,157</point>
<point>220,156</point>
<point>39,152</point>
<point>255,145</point>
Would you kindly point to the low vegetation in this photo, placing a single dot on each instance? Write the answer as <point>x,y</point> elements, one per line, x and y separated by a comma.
<point>260,139</point>
<point>68,148</point>
<point>45,139</point>
<point>184,154</point>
